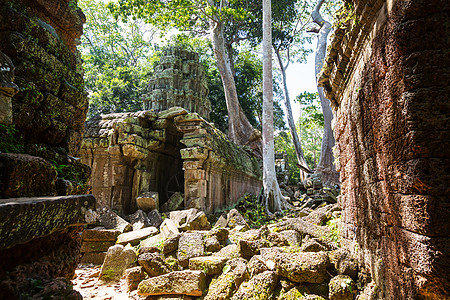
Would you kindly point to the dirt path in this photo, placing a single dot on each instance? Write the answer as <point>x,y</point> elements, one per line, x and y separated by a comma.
<point>87,284</point>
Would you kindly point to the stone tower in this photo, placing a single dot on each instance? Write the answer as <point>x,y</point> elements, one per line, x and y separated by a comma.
<point>179,80</point>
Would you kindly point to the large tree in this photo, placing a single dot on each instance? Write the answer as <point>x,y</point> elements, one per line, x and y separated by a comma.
<point>288,44</point>
<point>273,199</point>
<point>225,22</point>
<point>115,60</point>
<point>326,167</point>
<point>248,75</point>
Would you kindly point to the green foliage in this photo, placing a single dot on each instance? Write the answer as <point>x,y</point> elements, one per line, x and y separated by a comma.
<point>248,76</point>
<point>252,211</point>
<point>311,124</point>
<point>335,235</point>
<point>284,144</point>
<point>116,58</point>
<point>10,139</point>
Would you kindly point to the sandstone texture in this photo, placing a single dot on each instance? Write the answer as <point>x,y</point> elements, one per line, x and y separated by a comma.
<point>191,283</point>
<point>117,260</point>
<point>387,80</point>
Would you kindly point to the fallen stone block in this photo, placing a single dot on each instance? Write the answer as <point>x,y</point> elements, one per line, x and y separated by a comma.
<point>170,245</point>
<point>212,244</point>
<point>139,220</point>
<point>175,201</point>
<point>169,228</point>
<point>223,287</point>
<point>308,267</point>
<point>117,260</point>
<point>259,287</point>
<point>229,252</point>
<point>341,288</point>
<point>234,218</point>
<point>190,283</point>
<point>134,237</point>
<point>154,264</point>
<point>49,214</point>
<point>133,277</point>
<point>152,241</point>
<point>190,219</point>
<point>256,265</point>
<point>154,218</point>
<point>190,245</point>
<point>211,265</point>
<point>148,201</point>
<point>249,248</point>
<point>220,233</point>
<point>111,220</point>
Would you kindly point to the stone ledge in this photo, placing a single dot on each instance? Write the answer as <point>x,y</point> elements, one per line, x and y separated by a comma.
<point>23,219</point>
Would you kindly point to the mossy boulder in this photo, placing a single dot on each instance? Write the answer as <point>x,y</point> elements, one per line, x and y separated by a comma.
<point>211,265</point>
<point>341,288</point>
<point>24,175</point>
<point>308,267</point>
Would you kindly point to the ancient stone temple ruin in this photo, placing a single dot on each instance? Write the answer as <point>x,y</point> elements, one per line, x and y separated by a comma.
<point>179,80</point>
<point>42,110</point>
<point>170,149</point>
<point>388,81</point>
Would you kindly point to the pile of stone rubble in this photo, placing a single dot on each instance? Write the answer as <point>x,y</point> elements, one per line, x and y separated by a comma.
<point>182,257</point>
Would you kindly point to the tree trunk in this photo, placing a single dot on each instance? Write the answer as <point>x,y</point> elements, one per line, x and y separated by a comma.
<point>304,168</point>
<point>326,167</point>
<point>240,130</point>
<point>273,199</point>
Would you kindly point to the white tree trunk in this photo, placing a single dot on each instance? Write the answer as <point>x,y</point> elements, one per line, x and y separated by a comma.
<point>273,199</point>
<point>304,168</point>
<point>240,130</point>
<point>326,167</point>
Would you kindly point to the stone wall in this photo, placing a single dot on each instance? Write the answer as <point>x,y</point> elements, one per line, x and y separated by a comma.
<point>40,37</point>
<point>171,151</point>
<point>42,111</point>
<point>43,104</point>
<point>387,76</point>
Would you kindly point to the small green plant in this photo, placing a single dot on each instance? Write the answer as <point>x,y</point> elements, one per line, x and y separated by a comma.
<point>10,139</point>
<point>334,235</point>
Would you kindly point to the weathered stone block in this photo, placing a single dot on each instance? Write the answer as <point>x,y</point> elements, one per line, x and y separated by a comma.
<point>133,277</point>
<point>154,264</point>
<point>117,260</point>
<point>303,267</point>
<point>211,265</point>
<point>229,281</point>
<point>341,288</point>
<point>259,287</point>
<point>111,220</point>
<point>148,201</point>
<point>23,219</point>
<point>191,283</point>
<point>190,245</point>
<point>134,237</point>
